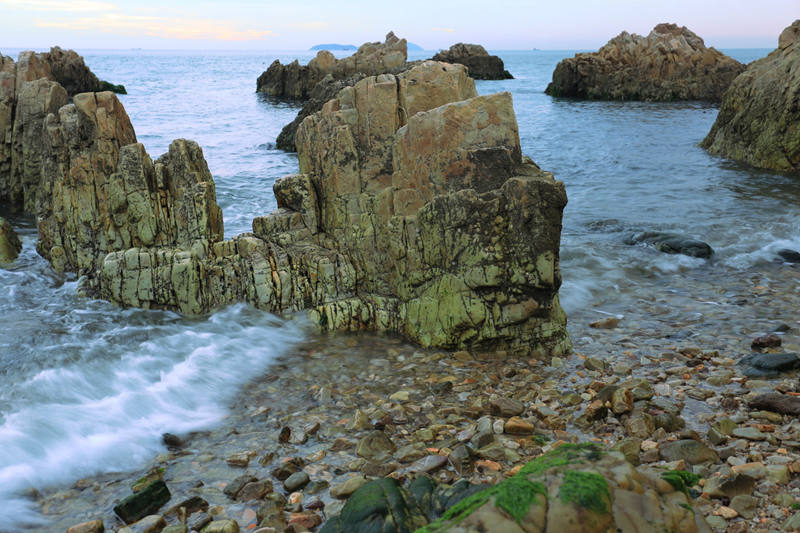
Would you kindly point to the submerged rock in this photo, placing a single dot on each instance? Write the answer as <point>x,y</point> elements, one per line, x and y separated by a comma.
<point>465,229</point>
<point>671,63</point>
<point>672,243</point>
<point>145,502</point>
<point>769,364</point>
<point>296,82</point>
<point>481,65</point>
<point>759,120</point>
<point>10,245</point>
<point>790,256</point>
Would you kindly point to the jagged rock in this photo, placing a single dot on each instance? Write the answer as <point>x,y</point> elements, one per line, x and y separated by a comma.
<point>481,65</point>
<point>326,89</point>
<point>10,246</point>
<point>296,82</point>
<point>759,120</point>
<point>68,68</point>
<point>30,89</point>
<point>671,63</point>
<point>672,243</point>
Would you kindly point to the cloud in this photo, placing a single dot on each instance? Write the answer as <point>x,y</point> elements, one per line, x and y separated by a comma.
<point>58,5</point>
<point>164,27</point>
<point>445,30</point>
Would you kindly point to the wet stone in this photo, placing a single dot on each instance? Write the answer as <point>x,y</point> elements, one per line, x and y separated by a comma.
<point>143,503</point>
<point>428,464</point>
<point>506,407</point>
<point>149,524</point>
<point>222,526</point>
<point>376,446</point>
<point>254,491</point>
<point>749,433</point>
<point>344,490</point>
<point>766,341</point>
<point>689,450</point>
<point>93,526</point>
<point>198,521</point>
<point>296,481</point>
<point>233,488</point>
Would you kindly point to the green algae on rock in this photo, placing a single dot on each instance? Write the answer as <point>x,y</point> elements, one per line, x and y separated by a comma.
<point>759,120</point>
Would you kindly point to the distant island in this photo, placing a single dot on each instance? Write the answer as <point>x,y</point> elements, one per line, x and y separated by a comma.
<point>335,46</point>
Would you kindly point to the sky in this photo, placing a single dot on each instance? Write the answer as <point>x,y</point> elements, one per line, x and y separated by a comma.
<point>432,24</point>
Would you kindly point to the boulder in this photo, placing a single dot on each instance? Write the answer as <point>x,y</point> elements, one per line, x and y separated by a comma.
<point>769,364</point>
<point>777,403</point>
<point>480,65</point>
<point>466,229</point>
<point>296,82</point>
<point>10,245</point>
<point>759,119</point>
<point>145,502</point>
<point>575,487</point>
<point>68,68</point>
<point>672,243</point>
<point>671,63</point>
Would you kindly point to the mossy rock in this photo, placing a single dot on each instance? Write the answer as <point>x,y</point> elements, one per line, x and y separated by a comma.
<point>108,86</point>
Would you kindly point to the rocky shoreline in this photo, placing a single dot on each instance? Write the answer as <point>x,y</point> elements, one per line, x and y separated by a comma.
<point>689,408</point>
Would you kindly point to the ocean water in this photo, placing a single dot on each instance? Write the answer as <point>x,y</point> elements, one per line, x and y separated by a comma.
<point>89,388</point>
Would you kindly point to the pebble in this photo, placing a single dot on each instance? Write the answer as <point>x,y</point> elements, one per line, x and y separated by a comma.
<point>298,480</point>
<point>344,490</point>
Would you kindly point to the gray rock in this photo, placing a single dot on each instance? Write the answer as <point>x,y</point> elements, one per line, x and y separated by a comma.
<point>296,481</point>
<point>672,243</point>
<point>769,364</point>
<point>375,446</point>
<point>689,450</point>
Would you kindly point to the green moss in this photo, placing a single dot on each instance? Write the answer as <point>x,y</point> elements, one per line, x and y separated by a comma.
<point>586,489</point>
<point>681,479</point>
<point>541,440</point>
<point>565,454</point>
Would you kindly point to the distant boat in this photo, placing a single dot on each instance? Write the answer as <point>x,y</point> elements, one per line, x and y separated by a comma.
<point>333,46</point>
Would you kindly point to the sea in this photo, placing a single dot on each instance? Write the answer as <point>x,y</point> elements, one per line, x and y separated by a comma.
<point>87,388</point>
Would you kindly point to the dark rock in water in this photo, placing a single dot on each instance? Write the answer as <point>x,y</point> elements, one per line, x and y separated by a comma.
<point>435,499</point>
<point>379,506</point>
<point>672,243</point>
<point>480,64</point>
<point>326,89</point>
<point>769,364</point>
<point>790,256</point>
<point>759,117</point>
<point>233,488</point>
<point>143,503</point>
<point>171,440</point>
<point>777,403</point>
<point>108,86</point>
<point>766,341</point>
<point>671,63</point>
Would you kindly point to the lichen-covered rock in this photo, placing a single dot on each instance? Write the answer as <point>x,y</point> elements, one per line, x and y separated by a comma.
<point>759,120</point>
<point>296,82</point>
<point>671,63</point>
<point>481,65</point>
<point>415,212</point>
<point>578,488</point>
<point>10,245</point>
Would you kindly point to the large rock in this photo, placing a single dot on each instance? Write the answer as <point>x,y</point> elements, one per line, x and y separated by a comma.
<point>415,212</point>
<point>481,65</point>
<point>575,488</point>
<point>295,81</point>
<point>37,85</point>
<point>671,63</point>
<point>759,120</point>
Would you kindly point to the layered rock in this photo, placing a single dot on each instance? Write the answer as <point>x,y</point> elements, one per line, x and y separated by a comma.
<point>481,65</point>
<point>295,81</point>
<point>759,120</point>
<point>671,63</point>
<point>30,89</point>
<point>415,212</point>
<point>10,245</point>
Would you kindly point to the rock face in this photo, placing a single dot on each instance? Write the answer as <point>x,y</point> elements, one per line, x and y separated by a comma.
<point>325,89</point>
<point>30,89</point>
<point>415,212</point>
<point>481,65</point>
<point>671,63</point>
<point>759,120</point>
<point>295,81</point>
<point>572,488</point>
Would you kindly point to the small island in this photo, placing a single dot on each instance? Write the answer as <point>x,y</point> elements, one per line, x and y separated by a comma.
<point>333,46</point>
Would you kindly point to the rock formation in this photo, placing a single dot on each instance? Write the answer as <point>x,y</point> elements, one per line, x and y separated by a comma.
<point>481,65</point>
<point>575,487</point>
<point>10,245</point>
<point>30,89</point>
<point>672,63</point>
<point>415,212</point>
<point>295,81</point>
<point>759,120</point>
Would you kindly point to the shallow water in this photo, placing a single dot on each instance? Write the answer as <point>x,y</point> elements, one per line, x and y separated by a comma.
<point>89,388</point>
